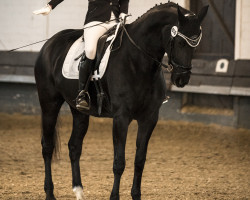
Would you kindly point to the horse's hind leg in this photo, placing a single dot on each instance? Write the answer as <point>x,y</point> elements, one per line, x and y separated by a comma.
<point>50,104</point>
<point>80,127</point>
<point>145,129</point>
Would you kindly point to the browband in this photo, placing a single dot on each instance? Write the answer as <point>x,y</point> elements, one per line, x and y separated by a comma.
<point>191,42</point>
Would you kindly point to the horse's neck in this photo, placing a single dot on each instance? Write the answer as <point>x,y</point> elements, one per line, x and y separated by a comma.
<point>147,33</point>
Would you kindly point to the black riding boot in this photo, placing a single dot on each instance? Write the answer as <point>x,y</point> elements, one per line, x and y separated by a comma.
<point>83,98</point>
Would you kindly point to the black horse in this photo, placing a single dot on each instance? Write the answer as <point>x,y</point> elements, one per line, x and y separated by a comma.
<point>133,83</point>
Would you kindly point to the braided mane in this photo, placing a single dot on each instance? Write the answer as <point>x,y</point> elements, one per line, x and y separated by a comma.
<point>156,8</point>
<point>161,6</point>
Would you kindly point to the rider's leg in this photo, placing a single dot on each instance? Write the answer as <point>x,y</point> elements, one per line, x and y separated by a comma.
<point>91,36</point>
<point>83,100</point>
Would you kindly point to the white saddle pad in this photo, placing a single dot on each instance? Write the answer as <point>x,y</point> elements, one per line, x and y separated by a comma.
<point>70,65</point>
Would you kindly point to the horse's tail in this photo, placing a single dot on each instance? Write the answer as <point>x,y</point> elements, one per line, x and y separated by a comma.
<point>57,142</point>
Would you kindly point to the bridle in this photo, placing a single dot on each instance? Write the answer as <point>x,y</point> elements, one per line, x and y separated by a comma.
<point>192,42</point>
<point>171,63</point>
<point>168,67</point>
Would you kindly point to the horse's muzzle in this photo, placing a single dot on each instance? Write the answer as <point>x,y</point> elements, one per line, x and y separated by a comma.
<point>180,79</point>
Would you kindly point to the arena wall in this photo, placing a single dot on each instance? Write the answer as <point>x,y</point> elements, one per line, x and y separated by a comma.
<point>19,26</point>
<point>242,36</point>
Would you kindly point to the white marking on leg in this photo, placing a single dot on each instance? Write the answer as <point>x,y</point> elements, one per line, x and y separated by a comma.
<point>78,192</point>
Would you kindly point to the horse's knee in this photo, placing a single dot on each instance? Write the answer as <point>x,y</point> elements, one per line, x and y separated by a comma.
<point>139,163</point>
<point>119,166</point>
<point>74,152</point>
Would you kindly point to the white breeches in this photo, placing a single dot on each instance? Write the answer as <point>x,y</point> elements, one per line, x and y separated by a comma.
<point>92,34</point>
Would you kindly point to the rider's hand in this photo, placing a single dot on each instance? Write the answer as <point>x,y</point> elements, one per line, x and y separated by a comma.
<point>123,17</point>
<point>44,11</point>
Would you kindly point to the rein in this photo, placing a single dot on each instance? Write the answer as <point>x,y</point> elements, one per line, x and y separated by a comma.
<point>169,67</point>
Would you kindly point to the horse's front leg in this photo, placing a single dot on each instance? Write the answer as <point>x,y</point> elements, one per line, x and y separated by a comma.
<point>120,129</point>
<point>145,129</point>
<point>80,127</point>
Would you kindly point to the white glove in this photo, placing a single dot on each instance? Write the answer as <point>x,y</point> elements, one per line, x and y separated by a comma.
<point>44,11</point>
<point>123,17</point>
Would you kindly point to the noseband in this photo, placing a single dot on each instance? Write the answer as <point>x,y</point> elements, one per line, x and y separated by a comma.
<point>190,41</point>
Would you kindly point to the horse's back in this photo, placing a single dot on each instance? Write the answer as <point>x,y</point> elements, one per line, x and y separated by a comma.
<point>55,49</point>
<point>48,67</point>
<point>52,55</point>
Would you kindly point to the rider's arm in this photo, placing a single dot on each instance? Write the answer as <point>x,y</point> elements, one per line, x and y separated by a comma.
<point>54,3</point>
<point>123,9</point>
<point>46,10</point>
<point>124,6</point>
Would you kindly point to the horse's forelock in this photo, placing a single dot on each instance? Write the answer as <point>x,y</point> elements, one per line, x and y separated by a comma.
<point>191,27</point>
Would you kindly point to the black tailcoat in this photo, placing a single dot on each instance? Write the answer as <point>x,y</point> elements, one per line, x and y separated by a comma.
<point>100,10</point>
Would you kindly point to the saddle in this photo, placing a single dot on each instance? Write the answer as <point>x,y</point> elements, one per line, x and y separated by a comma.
<point>104,42</point>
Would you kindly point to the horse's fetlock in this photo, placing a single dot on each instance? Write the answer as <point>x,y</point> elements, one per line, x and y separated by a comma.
<point>78,190</point>
<point>136,195</point>
<point>49,194</point>
<point>50,197</point>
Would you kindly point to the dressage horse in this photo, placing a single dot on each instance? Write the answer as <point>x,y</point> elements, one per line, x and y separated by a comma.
<point>133,83</point>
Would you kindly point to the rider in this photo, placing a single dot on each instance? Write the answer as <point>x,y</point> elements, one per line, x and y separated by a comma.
<point>98,11</point>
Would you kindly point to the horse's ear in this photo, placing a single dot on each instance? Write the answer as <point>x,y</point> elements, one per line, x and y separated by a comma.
<point>181,17</point>
<point>202,13</point>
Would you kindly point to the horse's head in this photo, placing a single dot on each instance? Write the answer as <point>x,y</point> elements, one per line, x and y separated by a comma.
<point>180,40</point>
